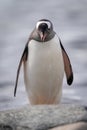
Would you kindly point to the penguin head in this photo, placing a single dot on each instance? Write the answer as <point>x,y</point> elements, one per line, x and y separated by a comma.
<point>44,29</point>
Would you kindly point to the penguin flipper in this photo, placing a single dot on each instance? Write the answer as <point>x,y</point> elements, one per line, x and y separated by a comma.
<point>67,66</point>
<point>23,58</point>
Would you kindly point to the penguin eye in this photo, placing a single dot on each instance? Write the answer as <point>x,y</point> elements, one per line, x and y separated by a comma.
<point>38,24</point>
<point>48,24</point>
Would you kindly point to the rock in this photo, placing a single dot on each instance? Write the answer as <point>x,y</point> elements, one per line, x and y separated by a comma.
<point>43,117</point>
<point>74,126</point>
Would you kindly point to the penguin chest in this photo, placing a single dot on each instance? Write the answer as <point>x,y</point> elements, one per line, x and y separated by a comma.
<point>44,70</point>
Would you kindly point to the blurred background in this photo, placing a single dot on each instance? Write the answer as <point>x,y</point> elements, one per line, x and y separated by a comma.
<point>17,20</point>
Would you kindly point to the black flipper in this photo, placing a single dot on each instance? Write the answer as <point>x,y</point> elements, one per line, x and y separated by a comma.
<point>67,66</point>
<point>23,58</point>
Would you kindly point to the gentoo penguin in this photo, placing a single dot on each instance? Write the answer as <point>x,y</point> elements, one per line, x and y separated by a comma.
<point>45,60</point>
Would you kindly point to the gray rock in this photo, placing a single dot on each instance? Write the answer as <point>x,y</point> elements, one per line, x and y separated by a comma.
<point>42,117</point>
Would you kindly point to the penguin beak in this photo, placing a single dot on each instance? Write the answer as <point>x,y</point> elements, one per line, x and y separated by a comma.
<point>43,35</point>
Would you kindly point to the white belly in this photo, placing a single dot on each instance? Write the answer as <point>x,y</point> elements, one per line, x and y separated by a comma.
<point>44,71</point>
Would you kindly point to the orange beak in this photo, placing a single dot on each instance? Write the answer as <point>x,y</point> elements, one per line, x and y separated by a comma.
<point>43,36</point>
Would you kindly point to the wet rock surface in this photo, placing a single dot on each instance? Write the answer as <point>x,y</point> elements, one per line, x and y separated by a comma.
<point>42,117</point>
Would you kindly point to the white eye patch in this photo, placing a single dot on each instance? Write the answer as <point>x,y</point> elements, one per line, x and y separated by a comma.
<point>40,22</point>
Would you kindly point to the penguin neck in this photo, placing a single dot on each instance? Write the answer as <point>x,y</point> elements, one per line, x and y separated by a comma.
<point>35,36</point>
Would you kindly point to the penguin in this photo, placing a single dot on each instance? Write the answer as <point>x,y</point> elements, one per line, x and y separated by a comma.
<point>44,62</point>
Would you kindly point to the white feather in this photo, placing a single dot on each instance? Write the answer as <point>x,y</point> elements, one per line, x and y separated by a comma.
<point>44,71</point>
<point>40,22</point>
